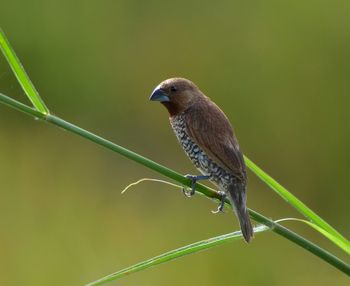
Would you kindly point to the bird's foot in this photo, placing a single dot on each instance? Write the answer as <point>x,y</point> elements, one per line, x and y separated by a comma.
<point>194,180</point>
<point>222,203</point>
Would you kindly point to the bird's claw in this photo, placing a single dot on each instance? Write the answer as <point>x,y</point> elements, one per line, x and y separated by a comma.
<point>190,193</point>
<point>187,193</point>
<point>218,210</point>
<point>221,205</point>
<point>194,180</point>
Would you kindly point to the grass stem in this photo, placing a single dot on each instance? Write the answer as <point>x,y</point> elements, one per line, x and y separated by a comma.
<point>277,228</point>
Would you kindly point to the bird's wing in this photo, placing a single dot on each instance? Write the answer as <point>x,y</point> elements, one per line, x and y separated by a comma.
<point>210,129</point>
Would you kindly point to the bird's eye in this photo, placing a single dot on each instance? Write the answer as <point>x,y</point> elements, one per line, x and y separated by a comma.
<point>173,88</point>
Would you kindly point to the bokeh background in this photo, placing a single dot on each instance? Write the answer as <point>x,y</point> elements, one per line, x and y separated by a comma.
<point>279,69</point>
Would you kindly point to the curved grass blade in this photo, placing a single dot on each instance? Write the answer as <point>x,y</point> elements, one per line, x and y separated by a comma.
<point>330,236</point>
<point>174,254</point>
<point>297,204</point>
<point>21,75</point>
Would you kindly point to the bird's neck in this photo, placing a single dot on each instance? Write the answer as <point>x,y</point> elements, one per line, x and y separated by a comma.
<point>173,109</point>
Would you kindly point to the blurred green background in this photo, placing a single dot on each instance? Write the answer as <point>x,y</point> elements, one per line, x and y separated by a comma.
<point>279,69</point>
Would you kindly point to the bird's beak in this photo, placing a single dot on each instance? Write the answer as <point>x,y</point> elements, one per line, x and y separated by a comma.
<point>159,95</point>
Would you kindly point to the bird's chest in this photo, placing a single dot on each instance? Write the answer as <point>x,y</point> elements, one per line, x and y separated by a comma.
<point>193,151</point>
<point>199,158</point>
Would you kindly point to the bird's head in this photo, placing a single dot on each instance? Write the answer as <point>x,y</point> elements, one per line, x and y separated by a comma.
<point>176,94</point>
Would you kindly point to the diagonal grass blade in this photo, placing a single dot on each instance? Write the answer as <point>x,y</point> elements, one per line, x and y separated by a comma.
<point>296,203</point>
<point>174,254</point>
<point>21,75</point>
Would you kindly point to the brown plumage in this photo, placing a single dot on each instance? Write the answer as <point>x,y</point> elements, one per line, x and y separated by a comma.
<point>207,137</point>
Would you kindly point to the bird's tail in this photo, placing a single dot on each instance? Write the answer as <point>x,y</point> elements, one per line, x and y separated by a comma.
<point>237,197</point>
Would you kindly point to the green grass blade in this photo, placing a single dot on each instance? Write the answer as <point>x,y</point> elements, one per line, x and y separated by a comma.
<point>21,75</point>
<point>201,189</point>
<point>174,254</point>
<point>20,106</point>
<point>296,203</point>
<point>328,235</point>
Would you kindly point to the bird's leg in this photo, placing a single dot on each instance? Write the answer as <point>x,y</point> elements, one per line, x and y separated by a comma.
<point>222,203</point>
<point>194,179</point>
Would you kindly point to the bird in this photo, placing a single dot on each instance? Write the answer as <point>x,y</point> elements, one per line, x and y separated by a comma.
<point>207,137</point>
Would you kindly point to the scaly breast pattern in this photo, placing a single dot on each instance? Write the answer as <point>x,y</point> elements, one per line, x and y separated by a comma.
<point>199,158</point>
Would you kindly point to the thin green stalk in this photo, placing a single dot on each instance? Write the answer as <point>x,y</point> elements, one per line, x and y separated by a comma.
<point>20,106</point>
<point>327,234</point>
<point>21,75</point>
<point>295,202</point>
<point>321,253</point>
<point>302,242</point>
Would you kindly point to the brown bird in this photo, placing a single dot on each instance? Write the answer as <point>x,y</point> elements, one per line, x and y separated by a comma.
<point>208,139</point>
